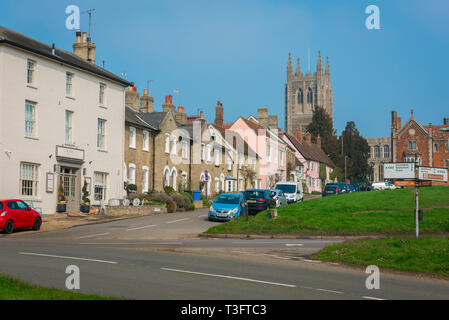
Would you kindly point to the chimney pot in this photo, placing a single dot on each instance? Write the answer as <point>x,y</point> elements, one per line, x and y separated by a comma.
<point>201,114</point>
<point>308,137</point>
<point>78,36</point>
<point>298,135</point>
<point>84,37</point>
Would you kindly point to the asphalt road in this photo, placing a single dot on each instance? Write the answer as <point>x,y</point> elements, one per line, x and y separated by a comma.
<point>161,257</point>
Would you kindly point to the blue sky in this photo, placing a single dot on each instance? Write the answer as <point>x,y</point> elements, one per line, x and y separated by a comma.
<point>236,52</point>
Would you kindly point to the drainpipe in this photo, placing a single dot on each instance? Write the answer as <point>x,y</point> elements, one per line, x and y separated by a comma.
<point>154,144</point>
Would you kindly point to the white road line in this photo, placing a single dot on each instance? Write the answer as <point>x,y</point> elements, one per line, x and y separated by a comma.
<point>202,216</point>
<point>94,235</point>
<point>230,277</point>
<point>332,291</point>
<point>65,257</point>
<point>372,298</point>
<point>137,228</point>
<point>308,260</point>
<point>178,220</point>
<point>294,244</point>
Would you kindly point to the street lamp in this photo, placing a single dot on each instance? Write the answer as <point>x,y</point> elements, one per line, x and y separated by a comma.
<point>345,167</point>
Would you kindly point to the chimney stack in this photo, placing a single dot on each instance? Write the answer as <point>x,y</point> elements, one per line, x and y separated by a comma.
<point>168,105</point>
<point>219,115</point>
<point>273,122</point>
<point>84,49</point>
<point>181,116</point>
<point>132,97</point>
<point>298,136</point>
<point>308,137</point>
<point>262,116</point>
<point>146,102</point>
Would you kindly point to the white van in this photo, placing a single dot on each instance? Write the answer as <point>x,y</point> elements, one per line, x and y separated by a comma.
<point>292,190</point>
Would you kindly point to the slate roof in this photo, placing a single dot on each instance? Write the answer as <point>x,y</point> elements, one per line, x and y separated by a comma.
<point>310,151</point>
<point>133,117</point>
<point>19,40</point>
<point>154,119</point>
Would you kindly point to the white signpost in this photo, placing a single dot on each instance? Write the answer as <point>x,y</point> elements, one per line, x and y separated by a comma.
<point>408,170</point>
<point>402,170</point>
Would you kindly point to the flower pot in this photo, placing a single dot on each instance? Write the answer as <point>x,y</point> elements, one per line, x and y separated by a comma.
<point>62,207</point>
<point>85,208</point>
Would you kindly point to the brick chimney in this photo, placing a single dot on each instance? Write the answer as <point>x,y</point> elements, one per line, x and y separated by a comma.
<point>308,137</point>
<point>132,97</point>
<point>273,122</point>
<point>262,116</point>
<point>181,116</point>
<point>298,136</point>
<point>168,105</point>
<point>84,49</point>
<point>446,121</point>
<point>146,102</point>
<point>219,115</point>
<point>318,140</point>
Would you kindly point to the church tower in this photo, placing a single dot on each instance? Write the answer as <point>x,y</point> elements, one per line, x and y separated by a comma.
<point>304,92</point>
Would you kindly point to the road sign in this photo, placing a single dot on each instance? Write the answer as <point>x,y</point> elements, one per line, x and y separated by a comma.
<point>424,184</point>
<point>404,183</point>
<point>433,174</point>
<point>400,170</point>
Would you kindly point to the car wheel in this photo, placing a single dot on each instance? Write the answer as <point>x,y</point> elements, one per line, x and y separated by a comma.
<point>9,227</point>
<point>210,219</point>
<point>37,224</point>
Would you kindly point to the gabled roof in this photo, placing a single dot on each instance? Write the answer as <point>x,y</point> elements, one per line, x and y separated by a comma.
<point>133,117</point>
<point>21,41</point>
<point>310,151</point>
<point>246,148</point>
<point>154,119</point>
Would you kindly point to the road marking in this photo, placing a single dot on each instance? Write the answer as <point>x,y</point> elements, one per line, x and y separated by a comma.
<point>137,228</point>
<point>294,244</point>
<point>202,216</point>
<point>94,235</point>
<point>178,220</point>
<point>332,291</point>
<point>65,257</point>
<point>372,298</point>
<point>308,260</point>
<point>230,277</point>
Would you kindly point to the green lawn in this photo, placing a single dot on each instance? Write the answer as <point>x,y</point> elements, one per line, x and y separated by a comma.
<point>426,254</point>
<point>388,212</point>
<point>12,289</point>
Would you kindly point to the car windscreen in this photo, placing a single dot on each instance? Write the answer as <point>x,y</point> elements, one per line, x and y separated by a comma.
<point>227,199</point>
<point>330,188</point>
<point>254,194</point>
<point>286,188</point>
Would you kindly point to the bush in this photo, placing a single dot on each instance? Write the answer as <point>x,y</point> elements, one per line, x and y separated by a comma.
<point>169,190</point>
<point>171,207</point>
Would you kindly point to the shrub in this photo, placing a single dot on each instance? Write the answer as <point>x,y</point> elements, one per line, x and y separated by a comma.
<point>169,190</point>
<point>171,207</point>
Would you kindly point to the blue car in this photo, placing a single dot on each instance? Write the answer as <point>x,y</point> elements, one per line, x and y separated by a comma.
<point>227,206</point>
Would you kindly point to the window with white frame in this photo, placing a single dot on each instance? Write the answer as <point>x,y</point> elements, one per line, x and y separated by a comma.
<point>100,186</point>
<point>146,141</point>
<point>387,151</point>
<point>132,173</point>
<point>29,179</point>
<point>281,158</point>
<point>145,178</point>
<point>217,185</point>
<point>101,134</point>
<point>132,137</point>
<point>217,156</point>
<point>68,127</point>
<point>173,147</point>
<point>101,94</point>
<point>209,151</point>
<point>69,84</point>
<point>31,72</point>
<point>269,152</point>
<point>167,143</point>
<point>229,162</point>
<point>203,152</point>
<point>125,173</point>
<point>30,119</point>
<point>184,180</point>
<point>184,149</point>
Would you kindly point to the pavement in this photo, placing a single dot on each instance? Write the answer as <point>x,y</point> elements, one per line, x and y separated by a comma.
<point>162,257</point>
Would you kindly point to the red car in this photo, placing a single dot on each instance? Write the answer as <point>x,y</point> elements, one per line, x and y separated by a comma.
<point>16,214</point>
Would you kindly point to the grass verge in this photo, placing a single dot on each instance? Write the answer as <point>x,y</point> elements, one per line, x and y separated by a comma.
<point>427,254</point>
<point>387,212</point>
<point>13,289</point>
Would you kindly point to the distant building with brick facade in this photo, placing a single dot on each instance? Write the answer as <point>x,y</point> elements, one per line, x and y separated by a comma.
<point>425,144</point>
<point>380,153</point>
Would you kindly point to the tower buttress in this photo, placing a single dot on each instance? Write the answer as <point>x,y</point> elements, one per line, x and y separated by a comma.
<point>319,66</point>
<point>289,65</point>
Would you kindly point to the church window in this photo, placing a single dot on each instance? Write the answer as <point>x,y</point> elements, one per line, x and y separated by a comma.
<point>309,96</point>
<point>300,97</point>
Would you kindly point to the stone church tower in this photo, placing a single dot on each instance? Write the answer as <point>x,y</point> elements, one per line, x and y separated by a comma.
<point>305,92</point>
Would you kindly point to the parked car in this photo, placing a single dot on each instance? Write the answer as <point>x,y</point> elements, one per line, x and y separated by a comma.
<point>257,200</point>
<point>352,188</point>
<point>292,190</point>
<point>330,189</point>
<point>278,196</point>
<point>16,214</point>
<point>383,186</point>
<point>227,206</point>
<point>365,187</point>
<point>342,186</point>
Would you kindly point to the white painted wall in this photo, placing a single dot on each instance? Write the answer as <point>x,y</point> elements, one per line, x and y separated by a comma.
<point>52,103</point>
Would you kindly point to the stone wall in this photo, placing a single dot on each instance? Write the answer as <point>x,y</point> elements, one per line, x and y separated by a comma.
<point>135,210</point>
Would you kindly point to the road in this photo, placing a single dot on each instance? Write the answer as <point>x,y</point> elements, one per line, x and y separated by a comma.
<point>162,257</point>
